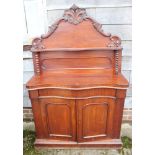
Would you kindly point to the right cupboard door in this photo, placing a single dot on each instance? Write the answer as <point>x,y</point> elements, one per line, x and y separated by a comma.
<point>95,119</point>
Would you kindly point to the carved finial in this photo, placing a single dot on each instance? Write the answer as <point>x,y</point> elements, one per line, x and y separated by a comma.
<point>74,7</point>
<point>75,15</point>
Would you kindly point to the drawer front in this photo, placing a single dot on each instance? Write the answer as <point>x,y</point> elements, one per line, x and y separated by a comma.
<point>75,94</point>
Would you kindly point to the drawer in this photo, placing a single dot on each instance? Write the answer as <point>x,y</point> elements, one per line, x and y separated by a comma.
<point>77,93</point>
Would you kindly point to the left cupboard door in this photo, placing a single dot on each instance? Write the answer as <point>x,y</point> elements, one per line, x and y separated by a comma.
<point>58,117</point>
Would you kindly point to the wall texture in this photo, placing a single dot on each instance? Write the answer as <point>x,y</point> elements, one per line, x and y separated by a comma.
<point>114,15</point>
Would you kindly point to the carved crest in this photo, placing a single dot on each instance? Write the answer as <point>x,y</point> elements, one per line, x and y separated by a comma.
<point>75,15</point>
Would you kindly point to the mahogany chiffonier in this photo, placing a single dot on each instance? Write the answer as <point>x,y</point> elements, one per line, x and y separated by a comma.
<point>78,91</point>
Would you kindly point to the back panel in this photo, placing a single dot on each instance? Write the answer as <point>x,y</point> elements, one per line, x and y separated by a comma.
<point>71,60</point>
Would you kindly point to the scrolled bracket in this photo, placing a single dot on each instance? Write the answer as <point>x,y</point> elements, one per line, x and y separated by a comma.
<point>37,44</point>
<point>114,42</point>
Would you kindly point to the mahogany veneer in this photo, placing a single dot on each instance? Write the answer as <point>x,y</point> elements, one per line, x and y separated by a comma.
<point>78,91</point>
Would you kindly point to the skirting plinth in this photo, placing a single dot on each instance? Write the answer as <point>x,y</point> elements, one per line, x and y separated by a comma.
<point>113,143</point>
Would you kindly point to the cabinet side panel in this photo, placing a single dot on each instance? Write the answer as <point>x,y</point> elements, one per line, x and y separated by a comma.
<point>118,117</point>
<point>118,112</point>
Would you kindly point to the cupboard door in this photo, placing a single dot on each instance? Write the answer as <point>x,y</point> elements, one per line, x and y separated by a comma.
<point>95,119</point>
<point>59,118</point>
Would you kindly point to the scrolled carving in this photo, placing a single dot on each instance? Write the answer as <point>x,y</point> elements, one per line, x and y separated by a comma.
<point>114,41</point>
<point>75,15</point>
<point>51,29</point>
<point>37,44</point>
<point>98,27</point>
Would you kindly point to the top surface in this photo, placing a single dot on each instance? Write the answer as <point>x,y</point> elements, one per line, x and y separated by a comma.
<point>79,79</point>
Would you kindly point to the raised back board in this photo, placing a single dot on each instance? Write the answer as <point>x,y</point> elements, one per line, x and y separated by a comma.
<point>76,41</point>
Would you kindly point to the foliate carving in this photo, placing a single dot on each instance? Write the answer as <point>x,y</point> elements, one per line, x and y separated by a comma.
<point>51,29</point>
<point>75,15</point>
<point>114,41</point>
<point>37,44</point>
<point>98,27</point>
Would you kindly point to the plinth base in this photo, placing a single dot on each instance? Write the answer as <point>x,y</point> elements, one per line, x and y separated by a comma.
<point>113,143</point>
